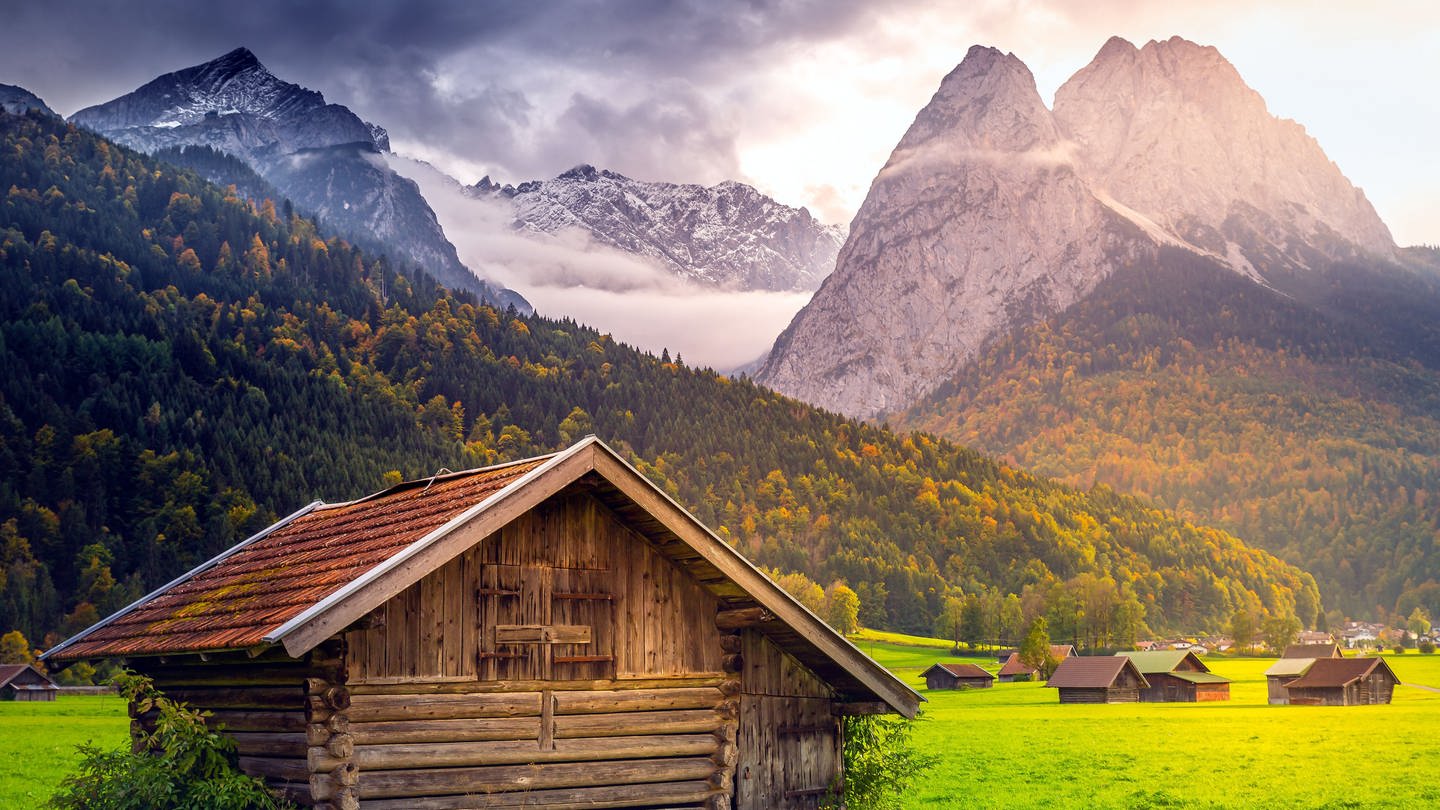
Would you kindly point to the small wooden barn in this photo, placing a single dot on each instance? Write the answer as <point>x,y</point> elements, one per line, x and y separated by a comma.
<point>1013,669</point>
<point>1177,676</point>
<point>1098,679</point>
<point>25,683</point>
<point>1296,660</point>
<point>554,632</point>
<point>1344,682</point>
<point>955,676</point>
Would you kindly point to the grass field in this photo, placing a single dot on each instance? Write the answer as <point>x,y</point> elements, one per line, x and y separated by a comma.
<point>1014,745</point>
<point>37,742</point>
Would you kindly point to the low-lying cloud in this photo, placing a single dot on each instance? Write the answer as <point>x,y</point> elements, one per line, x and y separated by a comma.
<point>632,298</point>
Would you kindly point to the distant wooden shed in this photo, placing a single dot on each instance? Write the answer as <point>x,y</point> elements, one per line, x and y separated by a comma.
<point>1344,682</point>
<point>24,683</point>
<point>954,676</point>
<point>1013,669</point>
<point>1296,660</point>
<point>1098,679</point>
<point>1177,676</point>
<point>554,632</point>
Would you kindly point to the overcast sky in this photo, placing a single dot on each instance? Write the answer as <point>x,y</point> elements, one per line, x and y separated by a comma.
<point>803,99</point>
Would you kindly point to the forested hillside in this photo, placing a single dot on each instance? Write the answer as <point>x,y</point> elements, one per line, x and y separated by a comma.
<point>1306,422</point>
<point>182,367</point>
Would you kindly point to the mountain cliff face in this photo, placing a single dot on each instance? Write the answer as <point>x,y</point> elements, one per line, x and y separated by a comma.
<point>17,100</point>
<point>994,213</point>
<point>729,235</point>
<point>977,222</point>
<point>322,156</point>
<point>1171,130</point>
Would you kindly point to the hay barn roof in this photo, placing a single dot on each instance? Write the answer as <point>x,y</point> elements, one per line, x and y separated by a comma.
<point>962,670</point>
<point>1092,672</point>
<point>1333,672</point>
<point>1157,661</point>
<point>1312,651</point>
<point>317,571</point>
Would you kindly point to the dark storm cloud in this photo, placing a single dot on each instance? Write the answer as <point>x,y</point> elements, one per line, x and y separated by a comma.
<point>518,87</point>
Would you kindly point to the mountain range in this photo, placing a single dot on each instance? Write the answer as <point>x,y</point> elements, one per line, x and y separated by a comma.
<point>995,212</point>
<point>729,235</point>
<point>321,156</point>
<point>1158,286</point>
<point>183,366</point>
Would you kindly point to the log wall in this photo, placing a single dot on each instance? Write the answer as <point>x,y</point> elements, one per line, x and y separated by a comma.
<point>285,715</point>
<point>790,736</point>
<point>611,743</point>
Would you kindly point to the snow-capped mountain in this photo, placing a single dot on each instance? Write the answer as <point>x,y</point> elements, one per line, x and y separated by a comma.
<point>17,100</point>
<point>322,156</point>
<point>729,235</point>
<point>994,213</point>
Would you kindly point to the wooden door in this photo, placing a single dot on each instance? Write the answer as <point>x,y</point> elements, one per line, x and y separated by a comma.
<point>545,622</point>
<point>789,739</point>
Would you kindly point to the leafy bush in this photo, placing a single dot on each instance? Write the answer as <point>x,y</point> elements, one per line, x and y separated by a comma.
<point>881,761</point>
<point>1426,647</point>
<point>182,765</point>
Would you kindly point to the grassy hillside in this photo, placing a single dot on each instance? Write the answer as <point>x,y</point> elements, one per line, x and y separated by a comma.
<point>1307,423</point>
<point>182,367</point>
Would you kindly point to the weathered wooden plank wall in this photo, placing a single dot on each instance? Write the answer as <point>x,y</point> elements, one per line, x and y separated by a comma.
<point>790,737</point>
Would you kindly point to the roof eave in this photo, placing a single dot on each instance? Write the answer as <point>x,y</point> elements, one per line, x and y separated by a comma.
<point>202,567</point>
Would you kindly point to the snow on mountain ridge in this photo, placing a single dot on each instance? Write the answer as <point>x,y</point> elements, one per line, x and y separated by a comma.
<point>727,235</point>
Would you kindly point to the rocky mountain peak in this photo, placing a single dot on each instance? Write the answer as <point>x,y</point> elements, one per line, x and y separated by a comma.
<point>993,213</point>
<point>728,235</point>
<point>1142,118</point>
<point>17,100</point>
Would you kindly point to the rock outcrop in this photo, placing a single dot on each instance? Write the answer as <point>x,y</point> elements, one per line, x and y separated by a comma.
<point>994,213</point>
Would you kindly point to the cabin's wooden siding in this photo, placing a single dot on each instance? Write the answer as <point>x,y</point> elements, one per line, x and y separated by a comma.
<point>1208,692</point>
<point>567,563</point>
<point>790,737</point>
<point>450,710</point>
<point>1378,688</point>
<point>1114,694</point>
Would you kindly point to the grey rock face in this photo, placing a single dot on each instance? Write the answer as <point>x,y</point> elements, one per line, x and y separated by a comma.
<point>729,235</point>
<point>977,222</point>
<point>17,101</point>
<point>993,213</point>
<point>322,156</point>
<point>1172,130</point>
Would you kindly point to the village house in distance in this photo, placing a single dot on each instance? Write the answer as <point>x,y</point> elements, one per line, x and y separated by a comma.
<point>1292,664</point>
<point>25,683</point>
<point>1098,679</point>
<point>1177,676</point>
<point>548,632</point>
<point>1013,669</point>
<point>955,676</point>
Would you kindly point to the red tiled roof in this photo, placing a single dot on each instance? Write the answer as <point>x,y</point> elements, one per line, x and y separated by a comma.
<point>964,670</point>
<point>1331,672</point>
<point>245,595</point>
<point>1090,672</point>
<point>1014,666</point>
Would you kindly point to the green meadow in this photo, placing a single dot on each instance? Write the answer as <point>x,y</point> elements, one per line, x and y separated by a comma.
<point>1014,746</point>
<point>38,740</point>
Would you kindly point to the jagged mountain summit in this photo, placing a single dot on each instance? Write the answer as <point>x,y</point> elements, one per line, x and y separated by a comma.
<point>17,101</point>
<point>729,235</point>
<point>320,155</point>
<point>994,213</point>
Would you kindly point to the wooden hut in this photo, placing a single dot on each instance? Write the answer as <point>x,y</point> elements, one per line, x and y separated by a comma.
<point>1098,679</point>
<point>954,676</point>
<point>1013,669</point>
<point>1344,682</point>
<point>1296,660</point>
<point>1177,676</point>
<point>23,682</point>
<point>549,632</point>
